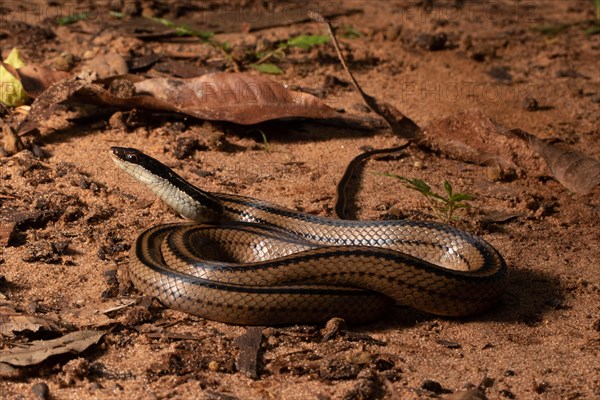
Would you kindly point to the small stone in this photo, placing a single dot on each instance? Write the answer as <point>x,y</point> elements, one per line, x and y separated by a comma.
<point>418,164</point>
<point>214,366</point>
<point>530,104</point>
<point>72,213</point>
<point>541,387</point>
<point>332,328</point>
<point>359,358</point>
<point>508,394</point>
<point>430,42</point>
<point>487,382</point>
<point>432,386</point>
<point>501,74</point>
<point>494,173</point>
<point>41,390</point>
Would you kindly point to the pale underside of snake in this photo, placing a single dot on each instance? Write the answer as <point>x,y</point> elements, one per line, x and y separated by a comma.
<point>247,261</point>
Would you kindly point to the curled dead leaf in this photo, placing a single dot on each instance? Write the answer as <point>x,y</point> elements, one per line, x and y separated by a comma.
<point>574,170</point>
<point>14,323</point>
<point>37,351</point>
<point>472,137</point>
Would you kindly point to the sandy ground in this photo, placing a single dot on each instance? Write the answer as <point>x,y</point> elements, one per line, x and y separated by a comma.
<point>76,214</point>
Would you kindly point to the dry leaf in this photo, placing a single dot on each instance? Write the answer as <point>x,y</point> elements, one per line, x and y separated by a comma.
<point>44,106</point>
<point>574,170</point>
<point>36,79</point>
<point>239,98</point>
<point>40,350</point>
<point>472,137</point>
<point>13,323</point>
<point>235,97</point>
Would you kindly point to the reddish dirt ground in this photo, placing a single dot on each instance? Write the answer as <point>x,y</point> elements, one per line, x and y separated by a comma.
<point>73,215</point>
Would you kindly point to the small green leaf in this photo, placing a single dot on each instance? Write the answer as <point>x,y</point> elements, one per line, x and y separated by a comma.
<point>183,30</point>
<point>226,46</point>
<point>552,30</point>
<point>593,30</point>
<point>267,68</point>
<point>458,197</point>
<point>163,21</point>
<point>265,142</point>
<point>421,185</point>
<point>308,41</point>
<point>70,19</point>
<point>448,188</point>
<point>349,32</point>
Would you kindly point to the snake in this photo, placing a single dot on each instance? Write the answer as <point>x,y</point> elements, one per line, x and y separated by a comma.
<point>246,261</point>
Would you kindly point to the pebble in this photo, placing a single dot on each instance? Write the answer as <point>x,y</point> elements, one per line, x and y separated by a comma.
<point>214,366</point>
<point>494,173</point>
<point>501,74</point>
<point>432,42</point>
<point>530,104</point>
<point>41,390</point>
<point>432,386</point>
<point>332,328</point>
<point>359,358</point>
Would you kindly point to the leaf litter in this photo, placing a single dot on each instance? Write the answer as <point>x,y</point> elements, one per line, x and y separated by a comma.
<point>38,351</point>
<point>234,97</point>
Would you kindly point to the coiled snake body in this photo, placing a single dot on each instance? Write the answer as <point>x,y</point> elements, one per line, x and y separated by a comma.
<point>246,261</point>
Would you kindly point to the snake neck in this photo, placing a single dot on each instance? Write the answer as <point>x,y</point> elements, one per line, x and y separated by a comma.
<point>189,201</point>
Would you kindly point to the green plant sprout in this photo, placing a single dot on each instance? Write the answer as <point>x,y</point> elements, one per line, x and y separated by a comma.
<point>265,142</point>
<point>558,28</point>
<point>443,206</point>
<point>72,18</point>
<point>304,42</point>
<point>203,36</point>
<point>349,32</point>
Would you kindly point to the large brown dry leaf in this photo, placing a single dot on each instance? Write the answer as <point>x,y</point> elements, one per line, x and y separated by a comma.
<point>13,323</point>
<point>574,170</point>
<point>472,137</point>
<point>239,98</point>
<point>235,97</point>
<point>38,351</point>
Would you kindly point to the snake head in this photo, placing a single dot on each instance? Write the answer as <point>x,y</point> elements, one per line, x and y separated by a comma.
<point>189,201</point>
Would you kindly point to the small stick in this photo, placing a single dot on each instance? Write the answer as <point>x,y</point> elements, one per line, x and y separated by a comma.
<point>398,122</point>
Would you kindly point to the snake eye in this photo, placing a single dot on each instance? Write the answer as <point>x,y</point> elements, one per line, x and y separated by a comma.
<point>131,157</point>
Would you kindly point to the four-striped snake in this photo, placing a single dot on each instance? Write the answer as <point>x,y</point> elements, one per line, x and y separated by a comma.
<point>247,261</point>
